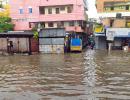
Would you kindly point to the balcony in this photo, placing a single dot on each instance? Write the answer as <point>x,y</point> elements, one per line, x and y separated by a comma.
<point>74,29</point>
<point>61,17</point>
<point>57,2</point>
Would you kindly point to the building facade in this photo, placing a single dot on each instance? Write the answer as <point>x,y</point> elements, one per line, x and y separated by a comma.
<point>113,5</point>
<point>18,42</point>
<point>110,10</point>
<point>66,14</point>
<point>115,15</point>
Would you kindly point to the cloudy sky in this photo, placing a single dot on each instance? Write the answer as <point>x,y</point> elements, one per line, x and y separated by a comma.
<point>91,9</point>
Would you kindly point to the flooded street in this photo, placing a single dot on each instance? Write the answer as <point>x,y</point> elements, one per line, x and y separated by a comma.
<point>91,75</point>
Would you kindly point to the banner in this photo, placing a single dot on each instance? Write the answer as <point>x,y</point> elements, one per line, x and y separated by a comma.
<point>98,28</point>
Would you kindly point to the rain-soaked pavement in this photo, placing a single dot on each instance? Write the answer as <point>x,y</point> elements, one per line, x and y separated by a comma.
<point>91,75</point>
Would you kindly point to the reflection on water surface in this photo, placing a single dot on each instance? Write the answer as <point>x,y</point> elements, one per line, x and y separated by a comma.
<point>91,75</point>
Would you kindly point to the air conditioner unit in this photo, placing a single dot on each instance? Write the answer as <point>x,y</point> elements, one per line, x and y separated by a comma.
<point>118,15</point>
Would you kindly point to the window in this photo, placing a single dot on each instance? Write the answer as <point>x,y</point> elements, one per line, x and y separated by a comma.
<point>60,24</point>
<point>80,23</point>
<point>49,10</point>
<point>127,7</point>
<point>119,8</point>
<point>69,9</point>
<point>71,23</point>
<point>62,8</point>
<point>21,11</point>
<point>42,10</point>
<point>111,22</point>
<point>107,9</point>
<point>112,8</point>
<point>30,10</point>
<point>50,24</point>
<point>57,10</point>
<point>30,25</point>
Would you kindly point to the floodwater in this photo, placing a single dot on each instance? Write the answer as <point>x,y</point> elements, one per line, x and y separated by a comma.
<point>91,75</point>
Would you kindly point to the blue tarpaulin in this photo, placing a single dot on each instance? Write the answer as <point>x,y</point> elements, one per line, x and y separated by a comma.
<point>75,42</point>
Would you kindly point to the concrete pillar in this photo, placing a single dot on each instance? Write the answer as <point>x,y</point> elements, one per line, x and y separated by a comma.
<point>109,46</point>
<point>97,42</point>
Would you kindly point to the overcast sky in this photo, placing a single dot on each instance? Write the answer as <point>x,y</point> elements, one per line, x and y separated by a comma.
<point>91,9</point>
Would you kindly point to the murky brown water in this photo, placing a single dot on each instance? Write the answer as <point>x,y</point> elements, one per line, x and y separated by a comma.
<point>91,75</point>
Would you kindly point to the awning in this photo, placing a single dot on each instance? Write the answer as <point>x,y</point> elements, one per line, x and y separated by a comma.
<point>123,36</point>
<point>17,34</point>
<point>99,34</point>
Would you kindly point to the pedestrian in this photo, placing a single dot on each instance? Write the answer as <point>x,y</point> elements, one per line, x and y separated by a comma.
<point>91,42</point>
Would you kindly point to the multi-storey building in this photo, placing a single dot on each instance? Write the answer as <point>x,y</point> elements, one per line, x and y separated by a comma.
<point>113,5</point>
<point>108,10</point>
<point>26,14</point>
<point>115,16</point>
<point>51,16</point>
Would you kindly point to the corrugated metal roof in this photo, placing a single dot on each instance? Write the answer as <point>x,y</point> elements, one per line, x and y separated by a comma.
<point>29,33</point>
<point>52,32</point>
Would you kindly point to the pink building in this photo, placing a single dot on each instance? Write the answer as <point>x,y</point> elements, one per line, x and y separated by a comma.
<point>70,14</point>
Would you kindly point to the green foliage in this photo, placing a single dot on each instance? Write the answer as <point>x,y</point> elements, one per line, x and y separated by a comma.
<point>5,24</point>
<point>5,19</point>
<point>35,32</point>
<point>35,35</point>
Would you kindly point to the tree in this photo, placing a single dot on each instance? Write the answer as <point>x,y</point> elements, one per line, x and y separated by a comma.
<point>5,24</point>
<point>5,10</point>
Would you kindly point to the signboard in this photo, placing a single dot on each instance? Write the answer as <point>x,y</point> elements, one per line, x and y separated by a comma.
<point>98,28</point>
<point>117,32</point>
<point>110,35</point>
<point>128,24</point>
